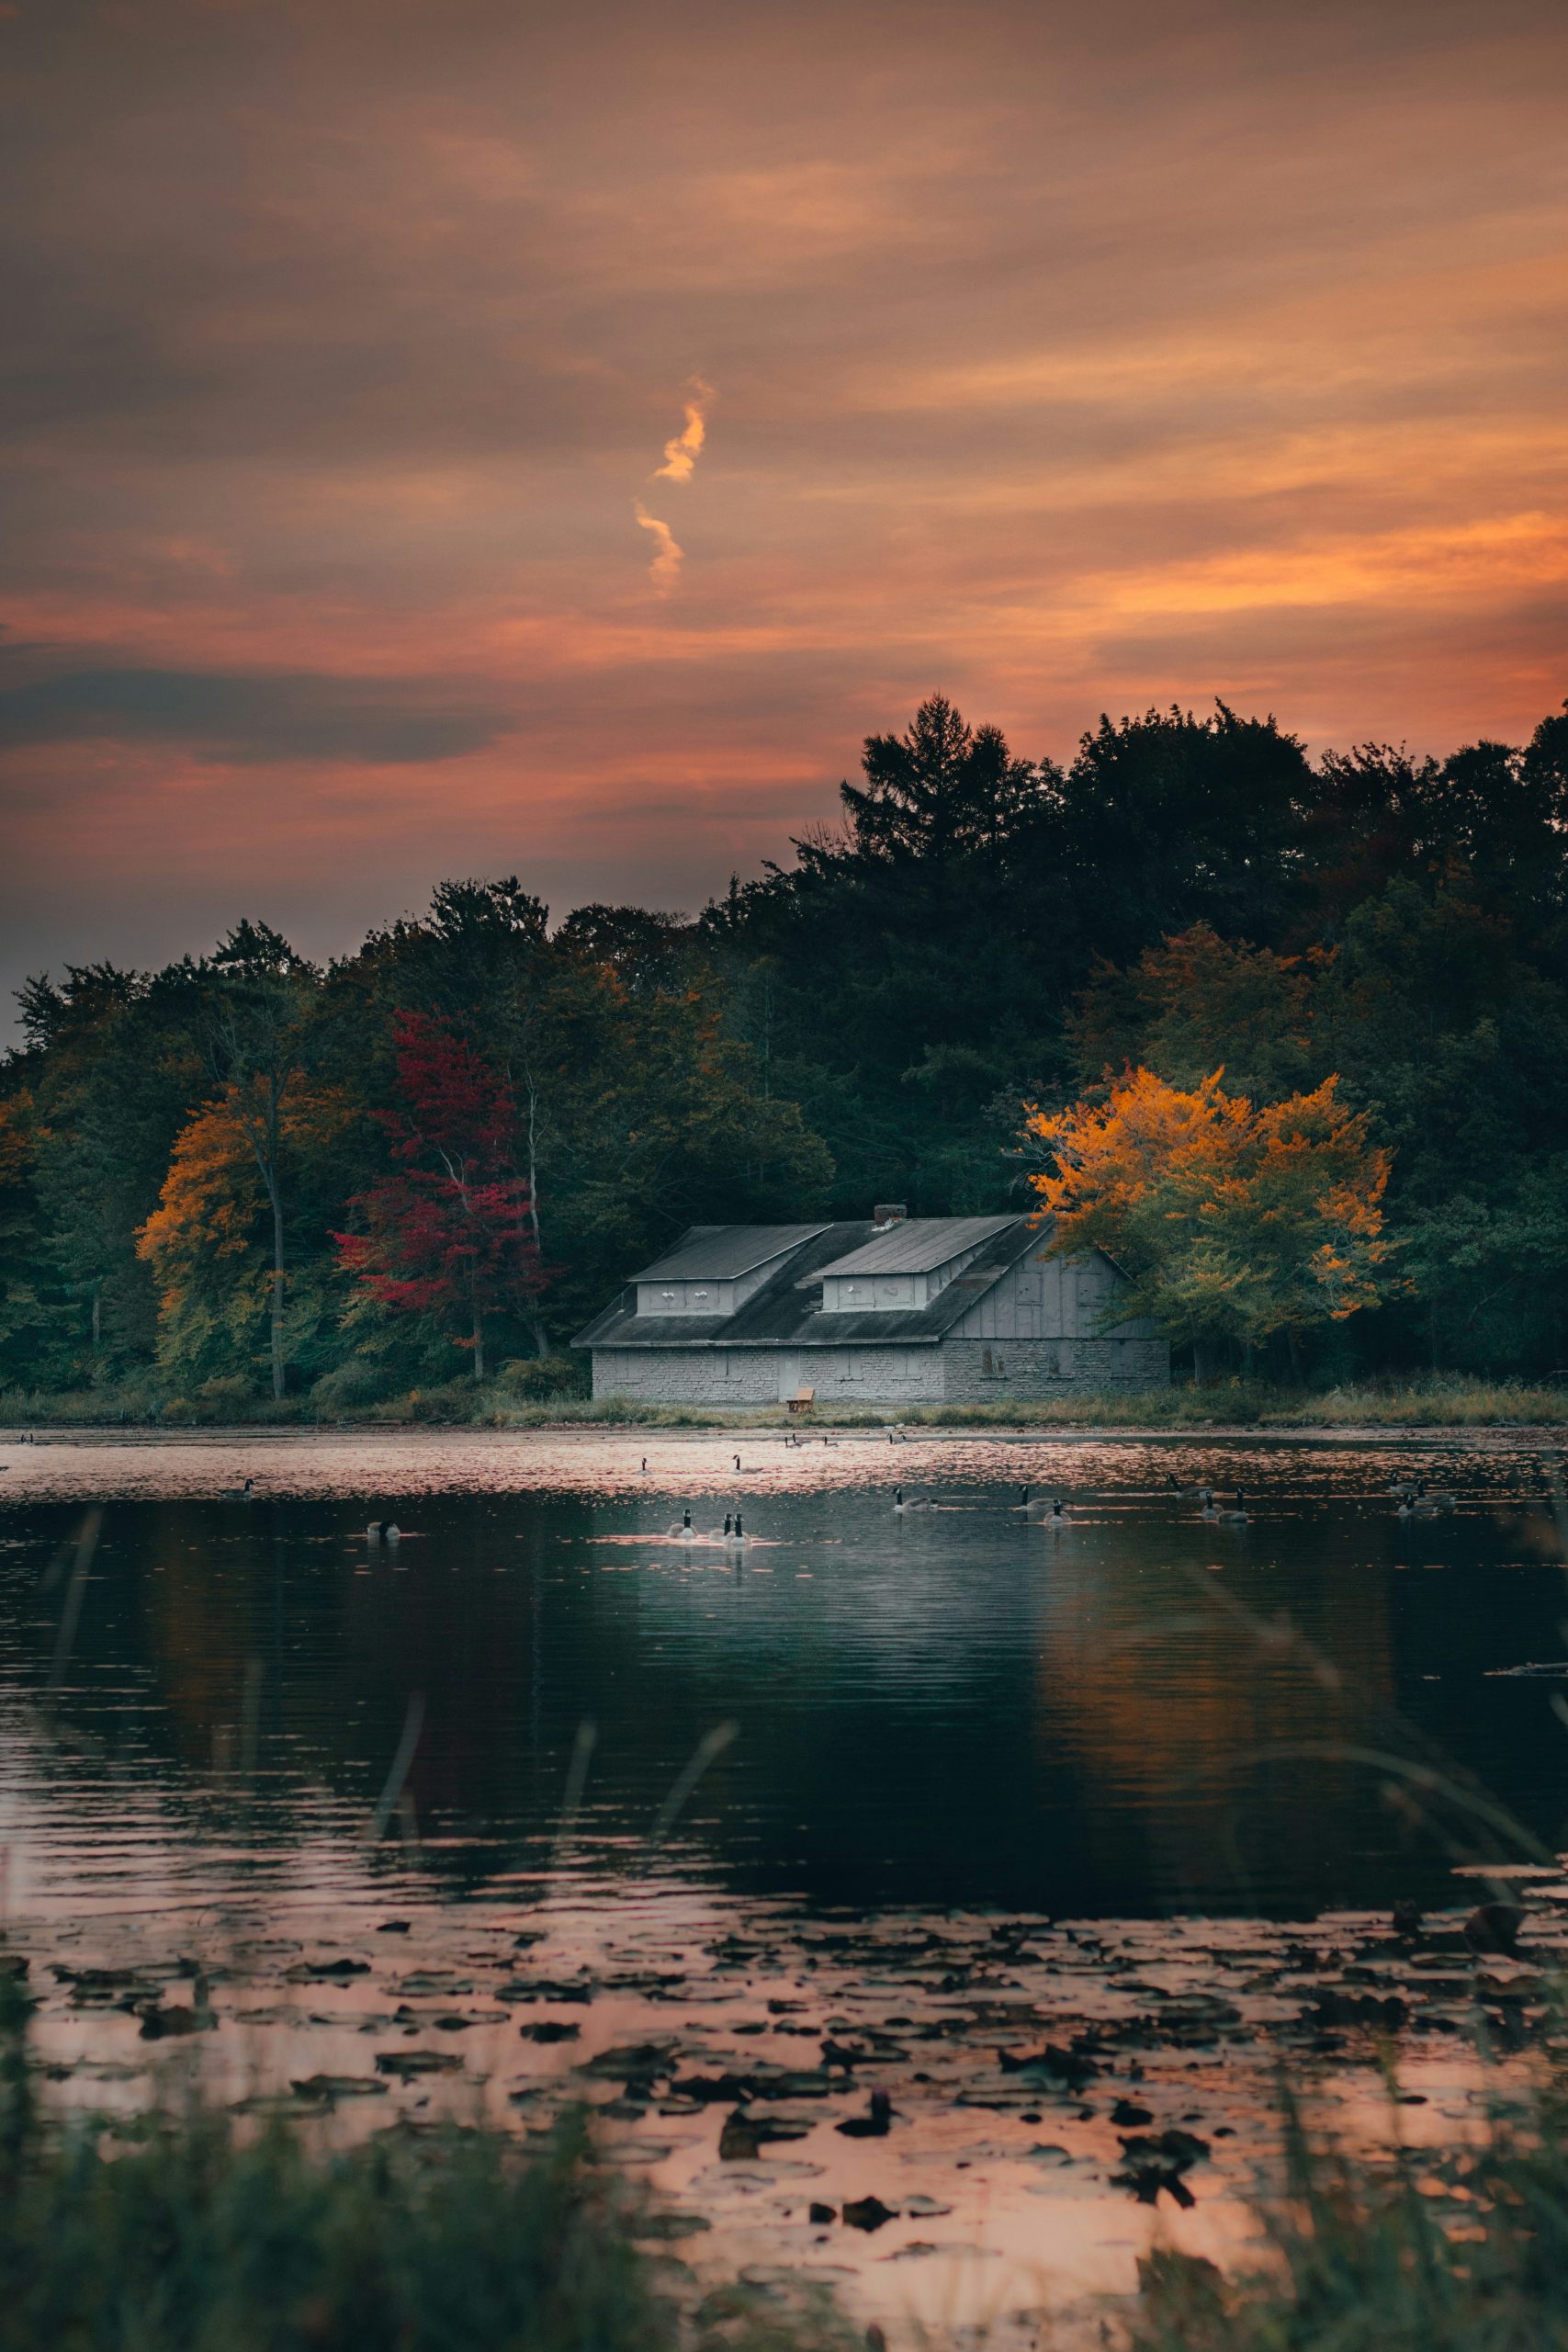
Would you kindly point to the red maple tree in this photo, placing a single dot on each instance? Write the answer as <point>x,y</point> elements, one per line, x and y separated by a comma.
<point>448,1234</point>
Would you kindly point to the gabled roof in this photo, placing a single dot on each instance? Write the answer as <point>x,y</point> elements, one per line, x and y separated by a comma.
<point>918,1245</point>
<point>720,1253</point>
<point>785,1310</point>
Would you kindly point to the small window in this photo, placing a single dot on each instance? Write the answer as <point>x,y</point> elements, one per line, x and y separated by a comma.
<point>667,1293</point>
<point>702,1294</point>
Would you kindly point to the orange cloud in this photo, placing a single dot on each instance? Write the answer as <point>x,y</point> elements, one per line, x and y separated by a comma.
<point>682,452</point>
<point>668,555</point>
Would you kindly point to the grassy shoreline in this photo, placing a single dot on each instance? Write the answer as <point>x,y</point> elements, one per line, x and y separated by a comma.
<point>1439,1402</point>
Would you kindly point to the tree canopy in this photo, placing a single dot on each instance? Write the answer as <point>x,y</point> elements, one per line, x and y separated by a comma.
<point>1354,967</point>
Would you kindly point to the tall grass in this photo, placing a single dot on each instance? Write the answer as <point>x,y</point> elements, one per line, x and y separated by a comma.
<point>178,2236</point>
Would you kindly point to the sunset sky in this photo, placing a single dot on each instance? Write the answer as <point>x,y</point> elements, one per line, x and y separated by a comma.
<point>449,436</point>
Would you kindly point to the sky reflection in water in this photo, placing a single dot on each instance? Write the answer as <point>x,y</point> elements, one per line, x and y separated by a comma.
<point>1136,1713</point>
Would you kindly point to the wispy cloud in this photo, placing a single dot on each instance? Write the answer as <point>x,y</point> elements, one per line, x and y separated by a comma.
<point>681,452</point>
<point>665,569</point>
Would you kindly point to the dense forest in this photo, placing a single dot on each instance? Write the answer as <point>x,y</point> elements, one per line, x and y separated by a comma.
<point>1327,1001</point>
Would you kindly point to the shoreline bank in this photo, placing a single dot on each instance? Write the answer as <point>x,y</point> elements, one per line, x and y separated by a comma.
<point>17,1429</point>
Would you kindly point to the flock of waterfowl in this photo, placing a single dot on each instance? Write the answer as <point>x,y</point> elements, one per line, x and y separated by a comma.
<point>1412,1499</point>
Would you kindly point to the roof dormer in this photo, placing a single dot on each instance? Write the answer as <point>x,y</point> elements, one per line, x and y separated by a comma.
<point>905,1265</point>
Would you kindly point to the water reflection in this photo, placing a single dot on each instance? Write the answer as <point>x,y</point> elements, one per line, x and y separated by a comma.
<point>1134,1713</point>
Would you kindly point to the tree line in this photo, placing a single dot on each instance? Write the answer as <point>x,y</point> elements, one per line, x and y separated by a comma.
<point>1290,1037</point>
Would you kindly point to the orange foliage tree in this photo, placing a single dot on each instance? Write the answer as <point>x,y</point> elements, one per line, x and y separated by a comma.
<point>211,1239</point>
<point>1233,1221</point>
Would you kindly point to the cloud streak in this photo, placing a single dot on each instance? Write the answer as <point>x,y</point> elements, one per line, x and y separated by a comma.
<point>254,718</point>
<point>664,571</point>
<point>681,452</point>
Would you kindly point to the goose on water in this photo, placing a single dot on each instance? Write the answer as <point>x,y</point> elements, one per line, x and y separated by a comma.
<point>239,1494</point>
<point>1419,1504</point>
<point>914,1502</point>
<point>1231,1515</point>
<point>1188,1494</point>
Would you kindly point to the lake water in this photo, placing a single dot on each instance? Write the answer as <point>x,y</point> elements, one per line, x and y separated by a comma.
<point>1139,1788</point>
<point>1129,1715</point>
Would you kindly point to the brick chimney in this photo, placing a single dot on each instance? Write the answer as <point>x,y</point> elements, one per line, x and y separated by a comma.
<point>889,1213</point>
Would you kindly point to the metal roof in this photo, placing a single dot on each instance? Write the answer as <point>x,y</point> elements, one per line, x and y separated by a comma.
<point>919,1244</point>
<point>719,1252</point>
<point>786,1313</point>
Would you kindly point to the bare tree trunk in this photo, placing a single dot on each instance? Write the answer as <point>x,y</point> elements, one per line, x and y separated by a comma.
<point>541,1340</point>
<point>278,1283</point>
<point>479,1340</point>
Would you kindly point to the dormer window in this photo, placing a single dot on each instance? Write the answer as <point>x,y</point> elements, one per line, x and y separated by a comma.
<point>702,1294</point>
<point>669,1295</point>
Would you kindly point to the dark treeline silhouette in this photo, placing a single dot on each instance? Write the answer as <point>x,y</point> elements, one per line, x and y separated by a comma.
<point>244,1174</point>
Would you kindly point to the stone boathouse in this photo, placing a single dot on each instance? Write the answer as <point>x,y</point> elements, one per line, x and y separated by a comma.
<point>888,1311</point>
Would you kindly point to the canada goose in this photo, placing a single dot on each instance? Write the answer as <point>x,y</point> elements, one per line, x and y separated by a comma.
<point>392,1533</point>
<point>1188,1494</point>
<point>1232,1515</point>
<point>908,1502</point>
<point>643,1472</point>
<point>377,1529</point>
<point>1043,1506</point>
<point>239,1494</point>
<point>726,1522</point>
<point>1419,1504</point>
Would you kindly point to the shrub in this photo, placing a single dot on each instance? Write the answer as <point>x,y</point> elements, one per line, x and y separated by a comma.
<point>355,1382</point>
<point>533,1377</point>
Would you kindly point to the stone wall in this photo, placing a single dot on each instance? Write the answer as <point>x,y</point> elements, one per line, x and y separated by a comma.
<point>688,1375</point>
<point>960,1372</point>
<point>977,1372</point>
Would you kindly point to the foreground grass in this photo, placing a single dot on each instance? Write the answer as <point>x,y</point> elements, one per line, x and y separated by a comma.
<point>177,2237</point>
<point>1435,2251</point>
<point>175,2234</point>
<point>1440,1401</point>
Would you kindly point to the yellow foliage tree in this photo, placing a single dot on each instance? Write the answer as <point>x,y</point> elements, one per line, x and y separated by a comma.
<point>210,1240</point>
<point>1231,1221</point>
